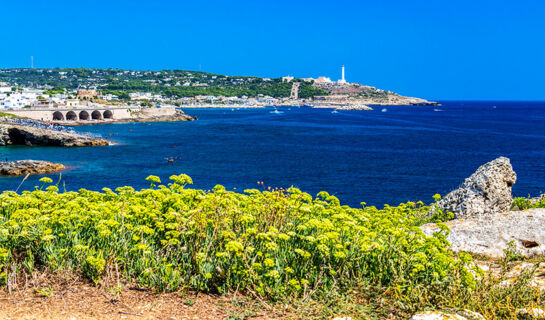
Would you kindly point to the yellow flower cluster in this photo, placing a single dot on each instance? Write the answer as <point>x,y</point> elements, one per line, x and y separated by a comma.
<point>276,243</point>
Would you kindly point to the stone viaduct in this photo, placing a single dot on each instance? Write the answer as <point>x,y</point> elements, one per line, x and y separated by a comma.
<point>62,114</point>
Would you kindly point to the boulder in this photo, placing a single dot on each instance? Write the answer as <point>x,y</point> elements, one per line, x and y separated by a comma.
<point>486,191</point>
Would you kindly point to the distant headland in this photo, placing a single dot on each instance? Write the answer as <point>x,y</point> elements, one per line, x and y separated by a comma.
<point>144,93</point>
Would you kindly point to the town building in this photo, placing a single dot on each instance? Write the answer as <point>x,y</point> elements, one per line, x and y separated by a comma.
<point>86,94</point>
<point>323,80</point>
<point>287,79</point>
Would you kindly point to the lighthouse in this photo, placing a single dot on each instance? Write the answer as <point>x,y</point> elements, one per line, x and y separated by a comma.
<point>342,76</point>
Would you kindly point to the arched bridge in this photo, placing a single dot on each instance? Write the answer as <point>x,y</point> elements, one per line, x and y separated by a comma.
<point>63,114</point>
<point>91,113</point>
<point>82,115</point>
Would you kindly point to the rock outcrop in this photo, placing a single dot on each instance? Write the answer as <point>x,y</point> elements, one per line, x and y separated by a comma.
<point>23,167</point>
<point>531,313</point>
<point>484,223</point>
<point>438,315</point>
<point>491,235</point>
<point>179,115</point>
<point>486,191</point>
<point>15,134</point>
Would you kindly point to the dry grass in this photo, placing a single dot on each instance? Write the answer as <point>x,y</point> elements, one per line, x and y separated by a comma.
<point>68,296</point>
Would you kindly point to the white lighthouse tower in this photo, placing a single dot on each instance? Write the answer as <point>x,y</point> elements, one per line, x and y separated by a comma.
<point>342,80</point>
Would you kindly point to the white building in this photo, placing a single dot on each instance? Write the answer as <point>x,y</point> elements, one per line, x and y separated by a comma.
<point>140,95</point>
<point>323,80</point>
<point>109,97</point>
<point>18,100</point>
<point>286,79</point>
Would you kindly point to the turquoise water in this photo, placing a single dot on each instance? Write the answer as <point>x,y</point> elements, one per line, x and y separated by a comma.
<point>404,153</point>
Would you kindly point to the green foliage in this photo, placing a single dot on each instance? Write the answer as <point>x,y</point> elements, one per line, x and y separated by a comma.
<point>275,244</point>
<point>120,94</point>
<point>54,91</point>
<point>511,253</point>
<point>274,88</point>
<point>93,266</point>
<point>8,115</point>
<point>521,203</point>
<point>171,83</point>
<point>44,292</point>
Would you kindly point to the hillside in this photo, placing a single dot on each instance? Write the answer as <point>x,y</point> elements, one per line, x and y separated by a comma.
<point>171,83</point>
<point>179,83</point>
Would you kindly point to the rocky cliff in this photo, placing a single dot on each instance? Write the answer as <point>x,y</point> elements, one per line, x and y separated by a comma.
<point>15,134</point>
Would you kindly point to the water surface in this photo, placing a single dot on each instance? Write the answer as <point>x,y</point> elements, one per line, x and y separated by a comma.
<point>404,153</point>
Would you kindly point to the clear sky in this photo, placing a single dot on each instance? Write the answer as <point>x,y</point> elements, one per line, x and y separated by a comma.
<point>437,49</point>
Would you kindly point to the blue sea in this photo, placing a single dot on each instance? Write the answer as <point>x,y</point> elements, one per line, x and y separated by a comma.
<point>390,155</point>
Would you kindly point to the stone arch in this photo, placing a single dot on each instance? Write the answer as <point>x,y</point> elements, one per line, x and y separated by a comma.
<point>84,115</point>
<point>71,115</point>
<point>108,114</point>
<point>58,116</point>
<point>96,115</point>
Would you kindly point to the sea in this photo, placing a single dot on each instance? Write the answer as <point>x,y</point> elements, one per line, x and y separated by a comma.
<point>390,155</point>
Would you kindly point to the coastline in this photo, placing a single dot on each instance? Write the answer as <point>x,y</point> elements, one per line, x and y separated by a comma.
<point>20,134</point>
<point>99,122</point>
<point>221,106</point>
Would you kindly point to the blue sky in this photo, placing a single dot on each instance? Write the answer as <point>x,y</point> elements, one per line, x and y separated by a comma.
<point>433,49</point>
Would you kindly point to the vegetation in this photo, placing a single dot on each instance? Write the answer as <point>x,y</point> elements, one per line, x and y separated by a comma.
<point>275,245</point>
<point>522,203</point>
<point>8,115</point>
<point>54,91</point>
<point>171,83</point>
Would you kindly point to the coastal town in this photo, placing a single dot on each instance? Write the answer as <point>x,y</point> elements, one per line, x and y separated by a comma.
<point>80,107</point>
<point>38,106</point>
<point>83,96</point>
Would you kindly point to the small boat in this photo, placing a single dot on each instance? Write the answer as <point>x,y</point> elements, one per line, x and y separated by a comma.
<point>335,111</point>
<point>384,110</point>
<point>437,110</point>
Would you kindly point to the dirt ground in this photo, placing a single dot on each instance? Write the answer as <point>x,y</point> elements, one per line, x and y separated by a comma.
<point>85,301</point>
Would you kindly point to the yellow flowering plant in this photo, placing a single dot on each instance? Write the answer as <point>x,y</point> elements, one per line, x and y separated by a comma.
<point>273,243</point>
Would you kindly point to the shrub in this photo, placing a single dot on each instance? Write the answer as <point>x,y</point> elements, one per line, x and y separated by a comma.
<point>276,244</point>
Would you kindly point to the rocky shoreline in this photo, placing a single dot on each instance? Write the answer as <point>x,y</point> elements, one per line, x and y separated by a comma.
<point>17,134</point>
<point>23,167</point>
<point>344,107</point>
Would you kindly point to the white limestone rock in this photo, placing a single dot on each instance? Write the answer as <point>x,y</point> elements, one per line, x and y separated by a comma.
<point>439,315</point>
<point>486,191</point>
<point>490,235</point>
<point>531,313</point>
<point>436,315</point>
